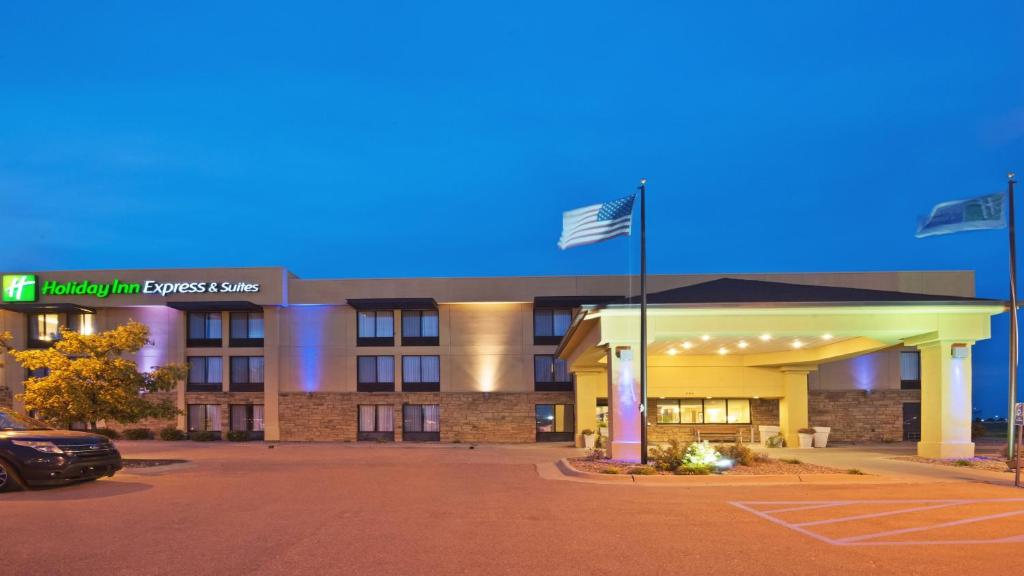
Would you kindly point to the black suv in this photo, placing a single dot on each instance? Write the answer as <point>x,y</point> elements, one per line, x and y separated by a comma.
<point>33,454</point>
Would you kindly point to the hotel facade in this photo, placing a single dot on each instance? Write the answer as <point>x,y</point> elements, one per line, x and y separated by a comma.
<point>877,356</point>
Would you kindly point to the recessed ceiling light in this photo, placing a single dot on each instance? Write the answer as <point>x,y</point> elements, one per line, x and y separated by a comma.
<point>798,344</point>
<point>826,336</point>
<point>709,397</point>
<point>723,351</point>
<point>705,337</point>
<point>765,337</point>
<point>672,352</point>
<point>743,344</point>
<point>756,397</point>
<point>687,345</point>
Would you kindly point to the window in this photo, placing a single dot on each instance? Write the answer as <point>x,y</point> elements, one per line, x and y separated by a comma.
<point>375,374</point>
<point>703,411</point>
<point>376,328</point>
<point>910,370</point>
<point>555,422</point>
<point>247,373</point>
<point>81,322</point>
<point>248,418</point>
<point>551,374</point>
<point>421,422</point>
<point>376,422</point>
<point>204,329</point>
<point>602,413</point>
<point>203,417</point>
<point>247,329</point>
<point>205,374</point>
<point>44,328</point>
<point>550,324</point>
<point>420,328</point>
<point>37,373</point>
<point>421,373</point>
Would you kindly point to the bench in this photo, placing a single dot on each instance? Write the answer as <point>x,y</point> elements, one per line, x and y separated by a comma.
<point>723,435</point>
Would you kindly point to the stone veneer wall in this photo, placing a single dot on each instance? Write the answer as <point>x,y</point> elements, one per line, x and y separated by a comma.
<point>6,398</point>
<point>465,416</point>
<point>762,413</point>
<point>856,416</point>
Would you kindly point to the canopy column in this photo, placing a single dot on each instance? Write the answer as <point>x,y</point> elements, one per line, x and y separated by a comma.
<point>624,404</point>
<point>945,400</point>
<point>589,385</point>
<point>793,404</point>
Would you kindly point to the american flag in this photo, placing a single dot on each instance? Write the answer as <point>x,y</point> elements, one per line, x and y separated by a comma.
<point>595,223</point>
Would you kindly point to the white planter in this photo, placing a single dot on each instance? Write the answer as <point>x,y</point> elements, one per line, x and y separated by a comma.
<point>806,440</point>
<point>766,432</point>
<point>589,441</point>
<point>821,436</point>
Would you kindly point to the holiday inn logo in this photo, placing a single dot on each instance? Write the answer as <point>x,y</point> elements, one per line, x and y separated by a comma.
<point>19,288</point>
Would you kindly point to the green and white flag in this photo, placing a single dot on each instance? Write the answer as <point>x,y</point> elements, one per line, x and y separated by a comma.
<point>981,213</point>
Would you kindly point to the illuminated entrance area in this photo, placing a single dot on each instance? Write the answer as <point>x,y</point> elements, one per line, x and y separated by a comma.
<point>729,358</point>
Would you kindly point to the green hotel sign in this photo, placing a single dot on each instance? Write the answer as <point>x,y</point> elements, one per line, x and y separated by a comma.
<point>87,288</point>
<point>27,288</point>
<point>19,288</point>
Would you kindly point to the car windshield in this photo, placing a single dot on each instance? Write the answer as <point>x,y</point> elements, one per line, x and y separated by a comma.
<point>15,421</point>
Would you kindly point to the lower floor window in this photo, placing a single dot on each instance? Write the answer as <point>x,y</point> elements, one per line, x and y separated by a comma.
<point>247,418</point>
<point>203,417</point>
<point>421,422</point>
<point>376,422</point>
<point>703,411</point>
<point>555,422</point>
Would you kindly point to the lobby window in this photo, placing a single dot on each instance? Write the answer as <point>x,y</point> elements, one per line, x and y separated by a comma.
<point>421,373</point>
<point>550,324</point>
<point>376,422</point>
<point>910,370</point>
<point>205,374</point>
<point>551,374</point>
<point>248,418</point>
<point>203,417</point>
<point>602,413</point>
<point>420,328</point>
<point>247,329</point>
<point>247,373</point>
<point>204,330</point>
<point>555,422</point>
<point>703,411</point>
<point>44,328</point>
<point>81,322</point>
<point>376,328</point>
<point>375,374</point>
<point>421,422</point>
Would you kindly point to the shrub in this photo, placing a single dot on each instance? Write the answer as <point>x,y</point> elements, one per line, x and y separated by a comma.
<point>595,454</point>
<point>587,432</point>
<point>611,470</point>
<point>761,458</point>
<point>738,453</point>
<point>805,431</point>
<point>203,436</point>
<point>138,434</point>
<point>108,432</point>
<point>694,469</point>
<point>963,463</point>
<point>790,461</point>
<point>643,470</point>
<point>701,454</point>
<point>238,436</point>
<point>669,457</point>
<point>777,441</point>
<point>171,434</point>
<point>855,472</point>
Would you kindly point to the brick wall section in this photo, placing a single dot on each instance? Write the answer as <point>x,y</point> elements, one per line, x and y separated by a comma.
<point>6,398</point>
<point>465,417</point>
<point>762,413</point>
<point>859,417</point>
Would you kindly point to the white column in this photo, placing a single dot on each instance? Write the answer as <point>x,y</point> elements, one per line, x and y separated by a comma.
<point>624,404</point>
<point>945,400</point>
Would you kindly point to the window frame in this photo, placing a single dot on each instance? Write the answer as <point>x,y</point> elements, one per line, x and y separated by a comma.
<point>246,341</point>
<point>703,411</point>
<point>376,434</point>
<point>191,386</point>
<point>552,385</point>
<point>63,321</point>
<point>910,384</point>
<point>188,418</point>
<point>564,436</point>
<point>376,385</point>
<point>245,385</point>
<point>204,342</point>
<point>375,340</point>
<point>249,420</point>
<point>552,339</point>
<point>421,385</point>
<point>420,340</point>
<point>420,435</point>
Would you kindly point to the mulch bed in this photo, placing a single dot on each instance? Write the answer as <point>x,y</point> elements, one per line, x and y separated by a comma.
<point>991,463</point>
<point>141,463</point>
<point>759,469</point>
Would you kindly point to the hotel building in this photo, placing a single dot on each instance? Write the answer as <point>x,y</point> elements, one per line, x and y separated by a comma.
<point>877,356</point>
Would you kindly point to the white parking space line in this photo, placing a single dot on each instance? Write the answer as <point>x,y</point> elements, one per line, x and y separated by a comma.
<point>932,527</point>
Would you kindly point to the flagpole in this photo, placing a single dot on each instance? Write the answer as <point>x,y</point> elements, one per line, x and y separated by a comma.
<point>643,320</point>
<point>1010,424</point>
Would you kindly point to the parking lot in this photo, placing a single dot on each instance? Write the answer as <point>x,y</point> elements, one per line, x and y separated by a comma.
<point>453,509</point>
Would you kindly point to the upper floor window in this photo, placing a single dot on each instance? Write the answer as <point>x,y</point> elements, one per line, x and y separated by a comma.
<point>44,328</point>
<point>205,374</point>
<point>421,373</point>
<point>376,328</point>
<point>247,373</point>
<point>550,324</point>
<point>375,374</point>
<point>551,374</point>
<point>204,329</point>
<point>910,370</point>
<point>247,329</point>
<point>420,328</point>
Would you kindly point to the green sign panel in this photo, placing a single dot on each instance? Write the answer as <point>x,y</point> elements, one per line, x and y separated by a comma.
<point>19,288</point>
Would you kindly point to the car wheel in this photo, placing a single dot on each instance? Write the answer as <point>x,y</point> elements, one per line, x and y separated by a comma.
<point>9,481</point>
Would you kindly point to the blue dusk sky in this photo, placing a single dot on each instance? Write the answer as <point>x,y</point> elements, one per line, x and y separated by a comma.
<point>362,139</point>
